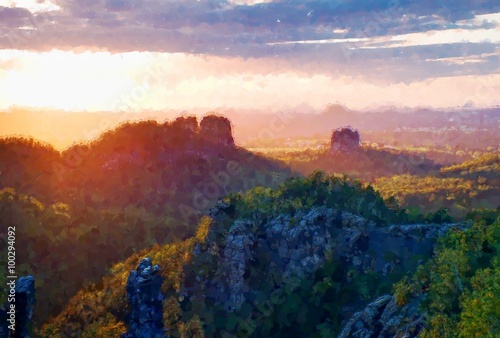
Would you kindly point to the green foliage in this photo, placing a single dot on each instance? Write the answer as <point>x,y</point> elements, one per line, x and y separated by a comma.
<point>104,327</point>
<point>341,193</point>
<point>192,329</point>
<point>459,188</point>
<point>461,283</point>
<point>121,194</point>
<point>367,162</point>
<point>480,316</point>
<point>101,307</point>
<point>79,211</point>
<point>402,291</point>
<point>56,243</point>
<point>486,163</point>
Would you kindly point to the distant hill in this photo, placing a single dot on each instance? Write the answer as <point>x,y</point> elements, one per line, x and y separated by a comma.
<point>439,125</point>
<point>158,166</point>
<point>460,188</point>
<point>367,163</point>
<point>486,165</point>
<point>345,155</point>
<point>472,128</point>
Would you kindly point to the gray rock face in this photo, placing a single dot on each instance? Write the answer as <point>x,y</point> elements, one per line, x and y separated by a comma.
<point>217,129</point>
<point>145,300</point>
<point>344,139</point>
<point>383,318</point>
<point>295,246</point>
<point>25,300</point>
<point>291,246</point>
<point>237,251</point>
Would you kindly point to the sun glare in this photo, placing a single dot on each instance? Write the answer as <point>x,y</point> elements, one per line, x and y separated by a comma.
<point>33,6</point>
<point>137,81</point>
<point>67,80</point>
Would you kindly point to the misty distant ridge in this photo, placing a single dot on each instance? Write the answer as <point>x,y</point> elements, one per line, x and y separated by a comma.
<point>63,128</point>
<point>386,119</point>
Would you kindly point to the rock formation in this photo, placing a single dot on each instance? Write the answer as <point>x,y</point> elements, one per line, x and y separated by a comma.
<point>25,300</point>
<point>296,246</point>
<point>145,301</point>
<point>383,318</point>
<point>345,139</point>
<point>212,130</point>
<point>187,124</point>
<point>217,130</point>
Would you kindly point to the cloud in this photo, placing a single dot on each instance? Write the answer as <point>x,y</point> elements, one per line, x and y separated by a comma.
<point>13,17</point>
<point>32,6</point>
<point>322,41</point>
<point>143,80</point>
<point>398,41</point>
<point>248,2</point>
<point>434,37</point>
<point>481,20</point>
<point>461,60</point>
<point>240,27</point>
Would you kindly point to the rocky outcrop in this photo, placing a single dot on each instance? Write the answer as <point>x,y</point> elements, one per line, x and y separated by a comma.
<point>212,130</point>
<point>20,317</point>
<point>383,318</point>
<point>295,246</point>
<point>345,139</point>
<point>183,132</point>
<point>217,130</point>
<point>145,319</point>
<point>25,300</point>
<point>289,249</point>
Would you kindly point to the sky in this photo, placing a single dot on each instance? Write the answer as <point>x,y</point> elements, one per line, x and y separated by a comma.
<point>133,55</point>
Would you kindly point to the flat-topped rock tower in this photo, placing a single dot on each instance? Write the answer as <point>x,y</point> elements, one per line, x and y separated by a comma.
<point>217,129</point>
<point>345,139</point>
<point>213,130</point>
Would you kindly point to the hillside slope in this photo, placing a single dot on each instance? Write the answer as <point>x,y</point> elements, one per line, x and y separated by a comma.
<point>459,188</point>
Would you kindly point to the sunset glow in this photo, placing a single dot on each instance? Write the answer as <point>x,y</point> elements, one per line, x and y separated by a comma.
<point>33,6</point>
<point>97,81</point>
<point>245,54</point>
